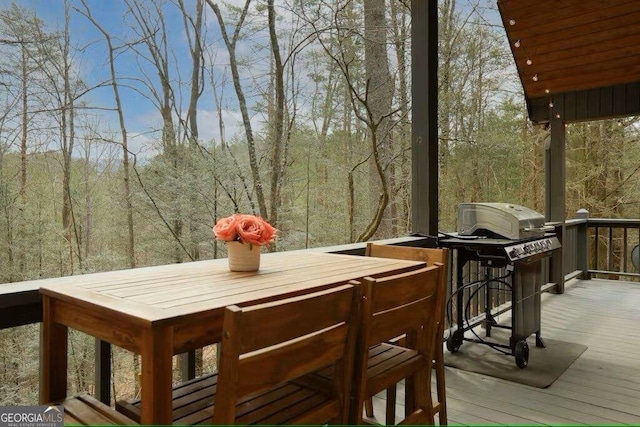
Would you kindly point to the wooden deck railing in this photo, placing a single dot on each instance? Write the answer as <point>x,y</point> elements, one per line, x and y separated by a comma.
<point>609,245</point>
<point>591,246</point>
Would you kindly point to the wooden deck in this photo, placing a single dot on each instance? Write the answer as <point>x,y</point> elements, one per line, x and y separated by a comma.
<point>601,387</point>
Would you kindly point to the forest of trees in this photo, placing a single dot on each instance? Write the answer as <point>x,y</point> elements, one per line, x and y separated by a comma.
<point>127,129</point>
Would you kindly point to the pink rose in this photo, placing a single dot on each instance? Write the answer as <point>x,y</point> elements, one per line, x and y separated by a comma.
<point>268,232</point>
<point>226,228</point>
<point>250,229</point>
<point>246,229</point>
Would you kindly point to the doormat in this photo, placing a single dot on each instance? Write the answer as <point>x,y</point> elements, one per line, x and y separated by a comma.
<point>544,367</point>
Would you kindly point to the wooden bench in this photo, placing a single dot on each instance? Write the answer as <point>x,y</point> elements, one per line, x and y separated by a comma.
<point>192,401</point>
<point>85,410</point>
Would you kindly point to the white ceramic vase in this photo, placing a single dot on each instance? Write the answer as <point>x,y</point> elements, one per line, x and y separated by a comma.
<point>243,256</point>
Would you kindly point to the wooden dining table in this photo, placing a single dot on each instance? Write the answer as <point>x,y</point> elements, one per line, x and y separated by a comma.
<point>162,311</point>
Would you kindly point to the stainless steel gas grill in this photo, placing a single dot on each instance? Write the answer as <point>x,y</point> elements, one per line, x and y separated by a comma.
<point>501,236</point>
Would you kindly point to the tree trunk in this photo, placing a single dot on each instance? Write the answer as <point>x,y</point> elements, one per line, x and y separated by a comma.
<point>195,46</point>
<point>123,133</point>
<point>231,47</point>
<point>277,140</point>
<point>379,98</point>
<point>400,188</point>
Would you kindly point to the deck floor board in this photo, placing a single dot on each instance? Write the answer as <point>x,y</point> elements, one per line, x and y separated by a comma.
<point>601,387</point>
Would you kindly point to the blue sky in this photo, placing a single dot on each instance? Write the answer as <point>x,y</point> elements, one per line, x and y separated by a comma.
<point>142,118</point>
<point>91,62</point>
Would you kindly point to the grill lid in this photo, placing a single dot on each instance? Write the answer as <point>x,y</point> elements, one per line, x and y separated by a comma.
<point>504,219</point>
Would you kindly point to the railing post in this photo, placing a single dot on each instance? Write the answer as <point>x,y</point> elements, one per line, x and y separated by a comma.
<point>188,365</point>
<point>103,372</point>
<point>556,271</point>
<point>582,244</point>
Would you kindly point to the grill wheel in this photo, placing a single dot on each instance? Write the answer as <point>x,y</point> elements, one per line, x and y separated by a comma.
<point>521,352</point>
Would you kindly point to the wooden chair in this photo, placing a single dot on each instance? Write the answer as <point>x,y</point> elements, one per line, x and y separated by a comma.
<point>432,257</point>
<point>85,410</point>
<point>408,304</point>
<point>265,349</point>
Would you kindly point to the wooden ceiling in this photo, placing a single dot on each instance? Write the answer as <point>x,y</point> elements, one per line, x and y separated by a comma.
<point>563,46</point>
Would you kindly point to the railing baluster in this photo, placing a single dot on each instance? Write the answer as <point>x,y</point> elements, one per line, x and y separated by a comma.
<point>610,251</point>
<point>103,372</point>
<point>624,250</point>
<point>597,247</point>
<point>188,365</point>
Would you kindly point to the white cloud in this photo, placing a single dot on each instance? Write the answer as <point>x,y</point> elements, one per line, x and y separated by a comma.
<point>209,125</point>
<point>143,145</point>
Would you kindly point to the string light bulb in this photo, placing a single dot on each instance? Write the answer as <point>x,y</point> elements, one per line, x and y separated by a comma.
<point>557,115</point>
<point>529,61</point>
<point>512,22</point>
<point>535,77</point>
<point>517,43</point>
<point>551,104</point>
<point>546,91</point>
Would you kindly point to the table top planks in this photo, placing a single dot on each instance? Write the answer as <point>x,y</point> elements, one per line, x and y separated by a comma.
<point>162,293</point>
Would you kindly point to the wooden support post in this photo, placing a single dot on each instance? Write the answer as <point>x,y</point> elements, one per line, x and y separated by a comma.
<point>555,178</point>
<point>53,355</point>
<point>157,367</point>
<point>103,372</point>
<point>424,122</point>
<point>582,244</point>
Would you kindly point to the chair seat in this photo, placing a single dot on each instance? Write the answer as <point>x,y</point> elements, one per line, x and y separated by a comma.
<point>85,410</point>
<point>388,365</point>
<point>193,403</point>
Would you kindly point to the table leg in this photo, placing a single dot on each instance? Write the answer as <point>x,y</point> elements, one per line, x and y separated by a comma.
<point>53,355</point>
<point>157,373</point>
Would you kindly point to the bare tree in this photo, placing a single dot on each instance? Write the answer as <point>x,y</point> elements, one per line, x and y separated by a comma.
<point>400,171</point>
<point>370,104</point>
<point>195,42</point>
<point>277,143</point>
<point>17,24</point>
<point>123,132</point>
<point>61,85</point>
<point>151,27</point>
<point>230,43</point>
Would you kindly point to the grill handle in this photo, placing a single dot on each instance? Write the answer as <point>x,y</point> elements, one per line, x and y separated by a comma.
<point>544,228</point>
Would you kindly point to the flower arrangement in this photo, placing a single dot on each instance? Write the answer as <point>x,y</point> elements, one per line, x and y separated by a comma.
<point>245,229</point>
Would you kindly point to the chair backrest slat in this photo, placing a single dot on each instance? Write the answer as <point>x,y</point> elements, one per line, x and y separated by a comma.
<point>400,304</point>
<point>432,256</point>
<point>389,324</point>
<point>274,323</point>
<point>429,255</point>
<point>404,290</point>
<point>263,369</point>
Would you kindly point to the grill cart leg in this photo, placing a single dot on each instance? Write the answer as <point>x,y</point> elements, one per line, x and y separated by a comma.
<point>539,342</point>
<point>489,321</point>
